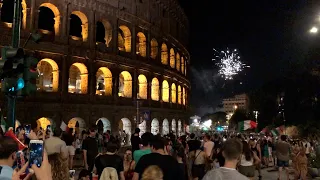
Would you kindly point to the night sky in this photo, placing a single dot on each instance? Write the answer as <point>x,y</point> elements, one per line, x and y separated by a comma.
<point>271,35</point>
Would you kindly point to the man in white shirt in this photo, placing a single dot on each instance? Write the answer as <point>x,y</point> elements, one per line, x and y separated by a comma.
<point>208,145</point>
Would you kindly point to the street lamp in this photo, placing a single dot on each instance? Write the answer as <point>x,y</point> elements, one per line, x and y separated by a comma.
<point>314,30</point>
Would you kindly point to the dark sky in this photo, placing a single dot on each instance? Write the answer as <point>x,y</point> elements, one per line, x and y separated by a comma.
<point>271,35</point>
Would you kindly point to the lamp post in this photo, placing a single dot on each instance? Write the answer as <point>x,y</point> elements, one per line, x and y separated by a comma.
<point>256,117</point>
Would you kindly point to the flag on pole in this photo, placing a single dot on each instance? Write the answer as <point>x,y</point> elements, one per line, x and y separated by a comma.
<point>248,124</point>
<point>278,131</point>
<point>3,122</point>
<point>264,130</point>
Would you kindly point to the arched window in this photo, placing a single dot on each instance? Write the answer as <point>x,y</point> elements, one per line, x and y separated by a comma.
<point>179,94</point>
<point>182,65</point>
<point>143,87</point>
<point>48,79</point>
<point>78,79</point>
<point>104,32</point>
<point>7,11</point>
<point>141,44</point>
<point>154,48</point>
<point>125,84</point>
<point>124,39</point>
<point>155,95</point>
<point>164,54</point>
<point>78,26</point>
<point>185,67</point>
<point>104,82</point>
<point>172,58</point>
<point>173,93</point>
<point>165,91</point>
<point>49,19</point>
<point>178,61</point>
<point>184,96</point>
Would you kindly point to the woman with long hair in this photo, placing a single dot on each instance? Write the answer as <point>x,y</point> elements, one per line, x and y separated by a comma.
<point>255,147</point>
<point>152,173</point>
<point>248,160</point>
<point>128,165</point>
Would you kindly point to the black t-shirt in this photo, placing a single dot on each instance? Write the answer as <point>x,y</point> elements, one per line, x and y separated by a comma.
<point>135,142</point>
<point>107,160</point>
<point>90,144</point>
<point>168,165</point>
<point>193,144</point>
<point>68,138</point>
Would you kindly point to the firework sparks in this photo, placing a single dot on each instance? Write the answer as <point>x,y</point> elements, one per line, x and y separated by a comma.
<point>229,63</point>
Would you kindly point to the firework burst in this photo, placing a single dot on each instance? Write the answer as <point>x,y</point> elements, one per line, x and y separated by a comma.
<point>229,63</point>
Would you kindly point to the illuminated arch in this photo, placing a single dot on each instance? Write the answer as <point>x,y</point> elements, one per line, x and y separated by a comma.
<point>125,84</point>
<point>185,67</point>
<point>9,4</point>
<point>124,39</point>
<point>141,44</point>
<point>106,124</point>
<point>125,125</point>
<point>154,48</point>
<point>179,94</point>
<point>78,124</point>
<point>78,79</point>
<point>165,127</point>
<point>104,81</point>
<point>172,58</point>
<point>165,91</point>
<point>155,94</point>
<point>164,54</point>
<point>178,61</point>
<point>143,127</point>
<point>179,128</point>
<point>173,93</point>
<point>108,31</point>
<point>184,96</point>
<point>174,126</point>
<point>44,122</point>
<point>57,16</point>
<point>48,79</point>
<point>143,87</point>
<point>85,24</point>
<point>155,128</point>
<point>182,65</point>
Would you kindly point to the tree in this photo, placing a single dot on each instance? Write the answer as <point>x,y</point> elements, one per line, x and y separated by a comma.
<point>238,116</point>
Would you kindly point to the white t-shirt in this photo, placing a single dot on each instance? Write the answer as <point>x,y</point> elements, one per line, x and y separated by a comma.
<point>244,162</point>
<point>208,146</point>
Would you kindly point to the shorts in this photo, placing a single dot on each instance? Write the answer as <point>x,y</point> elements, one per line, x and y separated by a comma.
<point>247,171</point>
<point>71,150</point>
<point>282,163</point>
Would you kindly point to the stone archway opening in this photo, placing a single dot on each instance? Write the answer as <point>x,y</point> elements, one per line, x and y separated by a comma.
<point>78,26</point>
<point>125,125</point>
<point>44,122</point>
<point>172,58</point>
<point>154,49</point>
<point>77,124</point>
<point>179,128</point>
<point>49,19</point>
<point>179,94</point>
<point>141,45</point>
<point>7,12</point>
<point>155,126</point>
<point>178,62</point>
<point>143,87</point>
<point>48,79</point>
<point>165,91</point>
<point>104,32</point>
<point>125,85</point>
<point>143,127</point>
<point>104,82</point>
<point>182,65</point>
<point>174,126</point>
<point>164,54</point>
<point>103,125</point>
<point>155,89</point>
<point>173,93</point>
<point>78,79</point>
<point>165,127</point>
<point>124,39</point>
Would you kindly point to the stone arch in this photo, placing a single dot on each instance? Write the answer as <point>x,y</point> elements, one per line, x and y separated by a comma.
<point>183,96</point>
<point>174,126</point>
<point>185,67</point>
<point>7,13</point>
<point>155,94</point>
<point>78,79</point>
<point>179,94</point>
<point>182,65</point>
<point>141,44</point>
<point>178,61</point>
<point>143,127</point>
<point>154,48</point>
<point>125,125</point>
<point>143,87</point>
<point>165,127</point>
<point>104,81</point>
<point>155,126</point>
<point>56,19</point>
<point>106,124</point>
<point>165,91</point>
<point>106,31</point>
<point>44,122</point>
<point>164,54</point>
<point>78,125</point>
<point>124,39</point>
<point>48,79</point>
<point>173,93</point>
<point>172,58</point>
<point>84,25</point>
<point>179,128</point>
<point>125,85</point>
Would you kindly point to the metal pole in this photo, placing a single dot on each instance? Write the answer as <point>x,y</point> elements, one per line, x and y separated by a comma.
<point>138,114</point>
<point>16,26</point>
<point>11,112</point>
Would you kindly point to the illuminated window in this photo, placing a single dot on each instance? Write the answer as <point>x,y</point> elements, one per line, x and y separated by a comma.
<point>182,65</point>
<point>104,32</point>
<point>178,61</point>
<point>165,91</point>
<point>79,26</point>
<point>173,93</point>
<point>124,39</point>
<point>141,45</point>
<point>43,123</point>
<point>179,94</point>
<point>174,125</point>
<point>48,79</point>
<point>155,95</point>
<point>184,96</point>
<point>104,82</point>
<point>143,87</point>
<point>172,58</point>
<point>125,85</point>
<point>164,54</point>
<point>78,79</point>
<point>154,48</point>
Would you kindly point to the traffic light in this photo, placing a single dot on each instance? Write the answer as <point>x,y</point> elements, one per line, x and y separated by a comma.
<point>11,62</point>
<point>12,85</point>
<point>30,75</point>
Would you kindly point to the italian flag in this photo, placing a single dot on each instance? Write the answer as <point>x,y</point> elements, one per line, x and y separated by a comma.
<point>247,124</point>
<point>278,131</point>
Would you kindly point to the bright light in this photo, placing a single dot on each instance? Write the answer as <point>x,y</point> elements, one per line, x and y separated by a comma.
<point>195,120</point>
<point>314,30</point>
<point>208,123</point>
<point>235,107</point>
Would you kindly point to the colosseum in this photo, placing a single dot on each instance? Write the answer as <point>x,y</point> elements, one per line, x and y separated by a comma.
<point>105,62</point>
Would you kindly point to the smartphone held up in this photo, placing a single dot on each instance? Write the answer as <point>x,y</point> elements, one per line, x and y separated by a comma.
<point>36,152</point>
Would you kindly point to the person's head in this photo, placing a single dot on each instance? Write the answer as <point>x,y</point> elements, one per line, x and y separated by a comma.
<point>158,144</point>
<point>283,138</point>
<point>108,132</point>
<point>128,155</point>
<point>232,149</point>
<point>112,147</point>
<point>152,173</point>
<point>146,138</point>
<point>137,131</point>
<point>59,166</point>
<point>206,137</point>
<point>92,132</point>
<point>192,135</point>
<point>246,151</point>
<point>57,132</point>
<point>84,175</point>
<point>8,149</point>
<point>70,130</point>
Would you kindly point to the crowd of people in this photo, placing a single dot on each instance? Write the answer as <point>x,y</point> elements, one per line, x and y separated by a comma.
<point>153,157</point>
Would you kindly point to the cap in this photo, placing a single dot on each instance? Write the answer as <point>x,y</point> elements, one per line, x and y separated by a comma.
<point>54,145</point>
